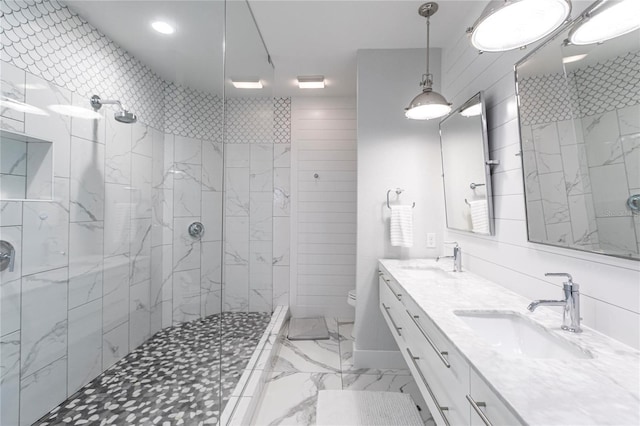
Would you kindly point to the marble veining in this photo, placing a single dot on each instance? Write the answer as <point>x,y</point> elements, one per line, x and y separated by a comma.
<point>602,390</point>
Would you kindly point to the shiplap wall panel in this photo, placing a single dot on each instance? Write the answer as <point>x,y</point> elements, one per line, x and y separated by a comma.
<point>323,208</point>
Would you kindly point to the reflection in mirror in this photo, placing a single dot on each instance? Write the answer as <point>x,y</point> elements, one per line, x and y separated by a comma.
<point>579,110</point>
<point>466,175</point>
<point>26,167</point>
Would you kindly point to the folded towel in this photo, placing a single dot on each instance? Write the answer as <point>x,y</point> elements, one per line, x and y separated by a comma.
<point>479,216</point>
<point>401,226</point>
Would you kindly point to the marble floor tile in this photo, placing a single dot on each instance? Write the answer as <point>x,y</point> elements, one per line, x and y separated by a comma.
<point>346,354</point>
<point>309,356</point>
<point>290,398</point>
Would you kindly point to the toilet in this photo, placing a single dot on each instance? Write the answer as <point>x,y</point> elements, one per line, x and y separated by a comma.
<point>351,298</point>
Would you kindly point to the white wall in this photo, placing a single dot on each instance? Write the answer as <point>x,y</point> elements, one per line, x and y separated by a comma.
<point>323,132</point>
<point>610,287</point>
<point>392,152</point>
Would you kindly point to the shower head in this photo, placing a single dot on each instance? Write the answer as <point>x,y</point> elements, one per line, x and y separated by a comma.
<point>123,116</point>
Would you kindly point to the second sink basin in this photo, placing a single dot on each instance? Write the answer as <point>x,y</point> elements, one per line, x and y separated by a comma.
<point>511,334</point>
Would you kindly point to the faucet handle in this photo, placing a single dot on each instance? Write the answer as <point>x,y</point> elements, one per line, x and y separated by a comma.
<point>450,242</point>
<point>560,274</point>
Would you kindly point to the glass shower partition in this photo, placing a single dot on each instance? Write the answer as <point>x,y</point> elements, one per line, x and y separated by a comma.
<point>247,293</point>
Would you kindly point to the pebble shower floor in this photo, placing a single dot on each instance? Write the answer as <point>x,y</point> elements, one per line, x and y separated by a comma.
<point>172,379</point>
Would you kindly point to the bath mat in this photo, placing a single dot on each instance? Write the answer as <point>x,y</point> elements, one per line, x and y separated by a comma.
<point>345,407</point>
<point>308,329</point>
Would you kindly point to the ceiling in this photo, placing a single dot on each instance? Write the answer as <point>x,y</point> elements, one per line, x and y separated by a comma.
<point>304,37</point>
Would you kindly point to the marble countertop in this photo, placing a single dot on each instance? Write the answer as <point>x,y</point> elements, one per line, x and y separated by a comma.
<point>598,391</point>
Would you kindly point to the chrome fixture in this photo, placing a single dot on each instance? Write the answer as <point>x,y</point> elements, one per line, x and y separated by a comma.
<point>571,303</point>
<point>123,116</point>
<point>474,185</point>
<point>428,104</point>
<point>511,24</point>
<point>633,202</point>
<point>196,230</point>
<point>7,255</point>
<point>398,191</point>
<point>606,20</point>
<point>457,256</point>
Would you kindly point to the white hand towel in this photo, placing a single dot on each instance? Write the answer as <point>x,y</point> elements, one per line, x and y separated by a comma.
<point>479,216</point>
<point>401,226</point>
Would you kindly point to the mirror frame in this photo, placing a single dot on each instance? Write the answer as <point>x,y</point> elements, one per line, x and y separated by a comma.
<point>486,160</point>
<point>566,26</point>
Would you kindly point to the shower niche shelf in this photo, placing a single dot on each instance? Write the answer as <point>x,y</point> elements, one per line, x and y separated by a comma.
<point>26,167</point>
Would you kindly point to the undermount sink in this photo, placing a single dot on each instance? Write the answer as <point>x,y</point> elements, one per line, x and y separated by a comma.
<point>511,334</point>
<point>427,268</point>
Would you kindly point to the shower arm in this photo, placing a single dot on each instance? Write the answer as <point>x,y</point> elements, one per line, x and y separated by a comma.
<point>96,103</point>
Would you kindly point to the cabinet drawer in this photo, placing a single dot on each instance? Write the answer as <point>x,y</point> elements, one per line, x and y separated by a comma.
<point>454,368</point>
<point>446,389</point>
<point>392,309</point>
<point>486,408</point>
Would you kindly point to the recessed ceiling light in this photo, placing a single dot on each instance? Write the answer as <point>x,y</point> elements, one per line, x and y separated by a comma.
<point>163,27</point>
<point>574,58</point>
<point>311,82</point>
<point>247,83</point>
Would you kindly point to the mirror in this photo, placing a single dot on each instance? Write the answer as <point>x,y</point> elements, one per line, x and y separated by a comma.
<point>466,172</point>
<point>579,111</point>
<point>26,167</point>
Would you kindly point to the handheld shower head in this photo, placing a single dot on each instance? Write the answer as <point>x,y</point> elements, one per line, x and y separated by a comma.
<point>123,116</point>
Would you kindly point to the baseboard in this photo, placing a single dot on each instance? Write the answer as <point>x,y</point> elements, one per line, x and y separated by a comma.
<point>377,359</point>
<point>343,311</point>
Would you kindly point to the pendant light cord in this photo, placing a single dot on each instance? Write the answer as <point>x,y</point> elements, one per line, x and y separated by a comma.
<point>428,47</point>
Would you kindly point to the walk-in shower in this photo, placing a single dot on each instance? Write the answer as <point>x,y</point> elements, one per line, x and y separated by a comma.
<point>123,116</point>
<point>114,312</point>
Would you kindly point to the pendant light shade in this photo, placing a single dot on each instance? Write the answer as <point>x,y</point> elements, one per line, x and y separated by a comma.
<point>428,104</point>
<point>607,20</point>
<point>511,24</point>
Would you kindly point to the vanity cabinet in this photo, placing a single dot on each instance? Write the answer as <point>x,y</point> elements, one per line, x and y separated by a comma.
<point>455,394</point>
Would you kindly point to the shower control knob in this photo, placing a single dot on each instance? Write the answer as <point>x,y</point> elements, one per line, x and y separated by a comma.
<point>196,230</point>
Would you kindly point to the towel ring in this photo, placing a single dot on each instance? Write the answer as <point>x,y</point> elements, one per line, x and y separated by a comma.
<point>398,192</point>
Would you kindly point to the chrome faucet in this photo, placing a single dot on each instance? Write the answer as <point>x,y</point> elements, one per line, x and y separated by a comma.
<point>571,303</point>
<point>457,256</point>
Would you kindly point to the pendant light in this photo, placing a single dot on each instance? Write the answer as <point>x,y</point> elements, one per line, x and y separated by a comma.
<point>428,104</point>
<point>606,20</point>
<point>511,24</point>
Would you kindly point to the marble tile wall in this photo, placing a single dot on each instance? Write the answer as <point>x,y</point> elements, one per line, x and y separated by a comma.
<point>257,163</point>
<point>108,262</point>
<point>578,170</point>
<point>78,298</point>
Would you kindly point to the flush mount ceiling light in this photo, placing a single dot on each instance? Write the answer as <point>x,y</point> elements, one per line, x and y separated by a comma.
<point>311,82</point>
<point>606,20</point>
<point>247,83</point>
<point>510,24</point>
<point>163,27</point>
<point>471,110</point>
<point>428,104</point>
